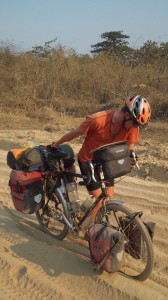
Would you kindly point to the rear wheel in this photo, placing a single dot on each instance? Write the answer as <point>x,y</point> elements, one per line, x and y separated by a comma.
<point>51,220</point>
<point>138,244</point>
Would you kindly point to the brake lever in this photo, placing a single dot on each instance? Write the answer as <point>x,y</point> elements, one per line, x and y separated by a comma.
<point>92,171</point>
<point>135,160</point>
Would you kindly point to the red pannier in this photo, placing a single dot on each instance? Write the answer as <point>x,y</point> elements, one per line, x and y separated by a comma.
<point>106,248</point>
<point>26,190</point>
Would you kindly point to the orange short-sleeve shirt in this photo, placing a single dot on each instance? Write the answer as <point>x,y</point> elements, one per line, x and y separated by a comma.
<point>98,130</point>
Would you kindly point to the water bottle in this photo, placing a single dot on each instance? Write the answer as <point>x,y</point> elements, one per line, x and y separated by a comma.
<point>73,195</point>
<point>72,191</point>
<point>87,203</point>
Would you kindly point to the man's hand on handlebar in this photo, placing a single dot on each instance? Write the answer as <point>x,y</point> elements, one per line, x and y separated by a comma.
<point>55,144</point>
<point>134,159</point>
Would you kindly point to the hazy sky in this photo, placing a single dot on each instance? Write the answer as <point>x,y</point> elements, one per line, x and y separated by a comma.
<point>79,23</point>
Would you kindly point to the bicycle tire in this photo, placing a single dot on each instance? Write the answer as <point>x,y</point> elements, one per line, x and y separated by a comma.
<point>141,274</point>
<point>46,219</point>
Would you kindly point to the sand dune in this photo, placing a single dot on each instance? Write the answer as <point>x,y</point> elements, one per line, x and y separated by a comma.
<point>34,265</point>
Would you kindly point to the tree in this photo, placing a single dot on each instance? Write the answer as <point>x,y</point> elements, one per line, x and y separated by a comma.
<point>44,51</point>
<point>150,52</point>
<point>164,49</point>
<point>115,44</point>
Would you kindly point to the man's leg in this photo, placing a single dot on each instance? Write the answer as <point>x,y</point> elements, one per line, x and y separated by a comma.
<point>96,194</point>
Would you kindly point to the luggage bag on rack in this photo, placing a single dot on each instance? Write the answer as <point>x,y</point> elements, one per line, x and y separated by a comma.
<point>26,190</point>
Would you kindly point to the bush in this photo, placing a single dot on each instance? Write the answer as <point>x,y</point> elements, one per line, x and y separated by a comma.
<point>72,84</point>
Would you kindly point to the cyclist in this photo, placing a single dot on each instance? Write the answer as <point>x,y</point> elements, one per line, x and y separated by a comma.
<point>105,127</point>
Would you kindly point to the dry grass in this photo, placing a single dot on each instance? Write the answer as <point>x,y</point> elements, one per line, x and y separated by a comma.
<point>49,89</point>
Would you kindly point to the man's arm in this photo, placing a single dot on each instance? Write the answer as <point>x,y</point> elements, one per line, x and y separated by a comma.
<point>74,133</point>
<point>132,147</point>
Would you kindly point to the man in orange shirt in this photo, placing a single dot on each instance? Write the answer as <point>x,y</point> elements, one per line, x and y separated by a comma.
<point>107,127</point>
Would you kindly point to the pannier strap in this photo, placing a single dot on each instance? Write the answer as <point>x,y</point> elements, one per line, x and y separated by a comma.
<point>99,233</point>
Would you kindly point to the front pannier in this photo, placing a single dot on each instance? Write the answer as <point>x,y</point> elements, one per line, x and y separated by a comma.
<point>114,158</point>
<point>26,190</point>
<point>106,248</point>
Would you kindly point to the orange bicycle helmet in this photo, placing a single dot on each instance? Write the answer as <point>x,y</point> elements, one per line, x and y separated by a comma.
<point>140,109</point>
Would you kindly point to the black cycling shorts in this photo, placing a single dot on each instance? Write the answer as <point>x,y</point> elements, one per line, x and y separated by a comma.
<point>94,185</point>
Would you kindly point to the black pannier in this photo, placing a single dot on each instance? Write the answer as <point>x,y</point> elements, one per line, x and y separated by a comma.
<point>66,153</point>
<point>114,158</point>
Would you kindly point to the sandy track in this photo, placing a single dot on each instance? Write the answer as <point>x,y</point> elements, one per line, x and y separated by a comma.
<point>33,265</point>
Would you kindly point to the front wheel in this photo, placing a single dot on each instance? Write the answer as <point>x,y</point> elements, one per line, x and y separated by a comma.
<point>51,220</point>
<point>138,245</point>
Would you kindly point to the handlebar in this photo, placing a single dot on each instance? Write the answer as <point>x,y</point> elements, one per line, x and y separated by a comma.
<point>73,174</point>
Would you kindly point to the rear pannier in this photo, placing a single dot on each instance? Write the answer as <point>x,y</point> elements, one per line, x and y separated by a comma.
<point>26,190</point>
<point>114,158</point>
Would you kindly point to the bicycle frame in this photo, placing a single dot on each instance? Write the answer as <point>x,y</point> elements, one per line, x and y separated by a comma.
<point>59,215</point>
<point>103,196</point>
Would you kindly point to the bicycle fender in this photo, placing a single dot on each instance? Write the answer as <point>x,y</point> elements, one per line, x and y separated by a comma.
<point>115,202</point>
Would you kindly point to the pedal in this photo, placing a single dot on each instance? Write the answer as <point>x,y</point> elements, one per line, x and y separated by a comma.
<point>74,233</point>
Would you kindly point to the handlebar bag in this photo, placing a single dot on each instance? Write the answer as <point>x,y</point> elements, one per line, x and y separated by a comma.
<point>114,158</point>
<point>26,190</point>
<point>106,248</point>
